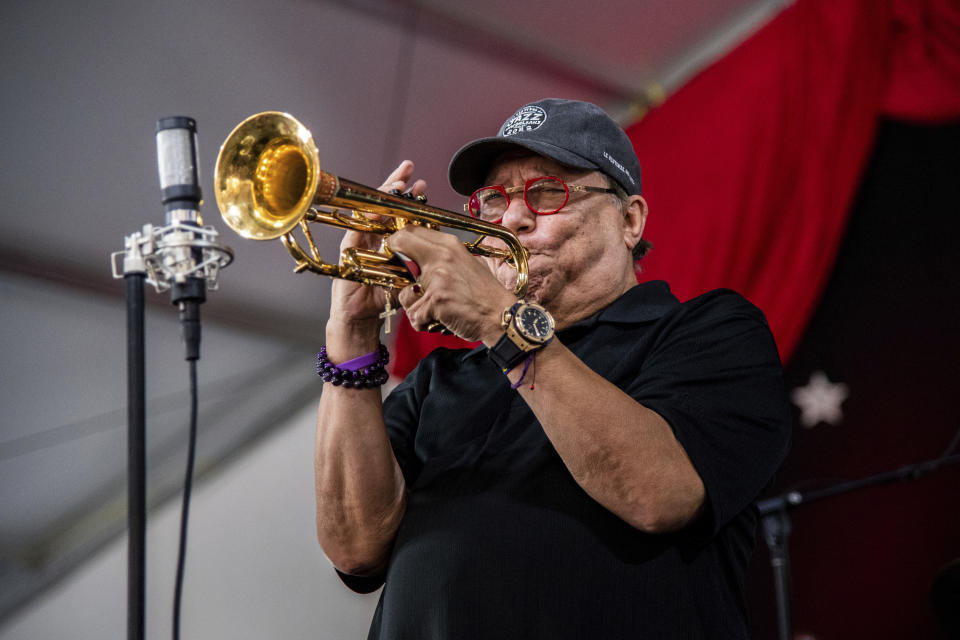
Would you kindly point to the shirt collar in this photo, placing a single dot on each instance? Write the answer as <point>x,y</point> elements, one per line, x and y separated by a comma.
<point>643,303</point>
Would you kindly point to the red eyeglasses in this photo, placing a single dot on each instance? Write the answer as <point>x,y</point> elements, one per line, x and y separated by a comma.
<point>544,196</point>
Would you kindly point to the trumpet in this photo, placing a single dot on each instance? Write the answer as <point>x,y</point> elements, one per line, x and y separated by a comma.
<point>268,182</point>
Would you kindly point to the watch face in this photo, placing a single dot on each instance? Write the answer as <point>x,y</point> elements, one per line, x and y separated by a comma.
<point>534,324</point>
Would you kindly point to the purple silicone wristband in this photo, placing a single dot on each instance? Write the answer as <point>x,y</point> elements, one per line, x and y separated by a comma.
<point>361,362</point>
<point>364,372</point>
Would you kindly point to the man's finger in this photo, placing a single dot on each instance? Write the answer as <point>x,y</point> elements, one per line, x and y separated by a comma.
<point>398,179</point>
<point>419,188</point>
<point>419,243</point>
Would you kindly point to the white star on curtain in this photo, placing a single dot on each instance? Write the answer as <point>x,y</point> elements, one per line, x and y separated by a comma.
<point>820,400</point>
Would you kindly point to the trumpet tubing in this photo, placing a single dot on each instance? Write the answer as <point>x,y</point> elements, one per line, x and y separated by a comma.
<point>268,182</point>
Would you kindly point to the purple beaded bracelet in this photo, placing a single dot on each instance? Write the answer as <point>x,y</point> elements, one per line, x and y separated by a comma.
<point>365,372</point>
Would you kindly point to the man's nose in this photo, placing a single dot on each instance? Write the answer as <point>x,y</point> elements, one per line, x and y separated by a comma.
<point>518,217</point>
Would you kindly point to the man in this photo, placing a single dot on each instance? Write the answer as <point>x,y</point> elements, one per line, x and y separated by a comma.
<point>590,480</point>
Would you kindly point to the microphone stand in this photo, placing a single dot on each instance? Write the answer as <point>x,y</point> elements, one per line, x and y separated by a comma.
<point>155,255</point>
<point>777,526</point>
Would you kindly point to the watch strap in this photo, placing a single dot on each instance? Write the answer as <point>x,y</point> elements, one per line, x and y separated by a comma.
<point>506,353</point>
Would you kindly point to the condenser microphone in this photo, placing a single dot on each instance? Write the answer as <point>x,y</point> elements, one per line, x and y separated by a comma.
<point>182,255</point>
<point>181,196</point>
<point>178,167</point>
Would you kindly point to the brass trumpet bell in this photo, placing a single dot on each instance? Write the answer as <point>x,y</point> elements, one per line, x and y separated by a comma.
<point>266,175</point>
<point>268,182</point>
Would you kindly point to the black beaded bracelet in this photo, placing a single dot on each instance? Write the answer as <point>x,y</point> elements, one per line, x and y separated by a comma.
<point>365,372</point>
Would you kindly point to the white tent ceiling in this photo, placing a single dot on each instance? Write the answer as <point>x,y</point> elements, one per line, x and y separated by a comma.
<point>376,82</point>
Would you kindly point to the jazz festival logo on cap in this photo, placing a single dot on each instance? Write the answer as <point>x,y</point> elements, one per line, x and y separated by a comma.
<point>528,118</point>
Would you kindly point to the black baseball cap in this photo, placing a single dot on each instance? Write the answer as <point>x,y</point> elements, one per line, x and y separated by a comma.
<point>574,133</point>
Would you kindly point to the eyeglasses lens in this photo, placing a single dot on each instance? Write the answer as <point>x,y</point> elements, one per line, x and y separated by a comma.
<point>544,196</point>
<point>488,203</point>
<point>547,195</point>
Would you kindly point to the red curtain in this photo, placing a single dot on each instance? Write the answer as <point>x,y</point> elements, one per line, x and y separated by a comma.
<point>750,168</point>
<point>924,83</point>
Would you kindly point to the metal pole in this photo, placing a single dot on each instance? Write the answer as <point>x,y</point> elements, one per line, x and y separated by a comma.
<point>136,458</point>
<point>776,530</point>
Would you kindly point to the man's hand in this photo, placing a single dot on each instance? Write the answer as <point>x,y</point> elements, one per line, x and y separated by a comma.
<point>455,288</point>
<point>354,302</point>
<point>354,325</point>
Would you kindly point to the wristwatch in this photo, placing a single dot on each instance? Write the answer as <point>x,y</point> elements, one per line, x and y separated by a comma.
<point>527,328</point>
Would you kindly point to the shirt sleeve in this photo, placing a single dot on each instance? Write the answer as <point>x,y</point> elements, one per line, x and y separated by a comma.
<point>361,584</point>
<point>714,374</point>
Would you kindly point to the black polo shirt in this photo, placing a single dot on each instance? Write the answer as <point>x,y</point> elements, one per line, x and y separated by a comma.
<point>499,541</point>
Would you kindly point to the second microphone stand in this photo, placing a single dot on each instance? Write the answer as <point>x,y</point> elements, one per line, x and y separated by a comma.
<point>777,526</point>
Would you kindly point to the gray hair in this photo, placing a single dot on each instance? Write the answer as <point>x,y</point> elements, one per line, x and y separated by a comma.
<point>643,246</point>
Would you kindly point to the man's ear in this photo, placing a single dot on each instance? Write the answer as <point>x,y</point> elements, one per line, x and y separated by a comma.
<point>634,220</point>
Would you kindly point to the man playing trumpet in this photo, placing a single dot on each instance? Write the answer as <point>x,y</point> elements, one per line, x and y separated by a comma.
<point>587,471</point>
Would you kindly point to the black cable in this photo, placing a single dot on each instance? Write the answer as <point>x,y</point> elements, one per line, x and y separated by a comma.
<point>185,511</point>
<point>952,446</point>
